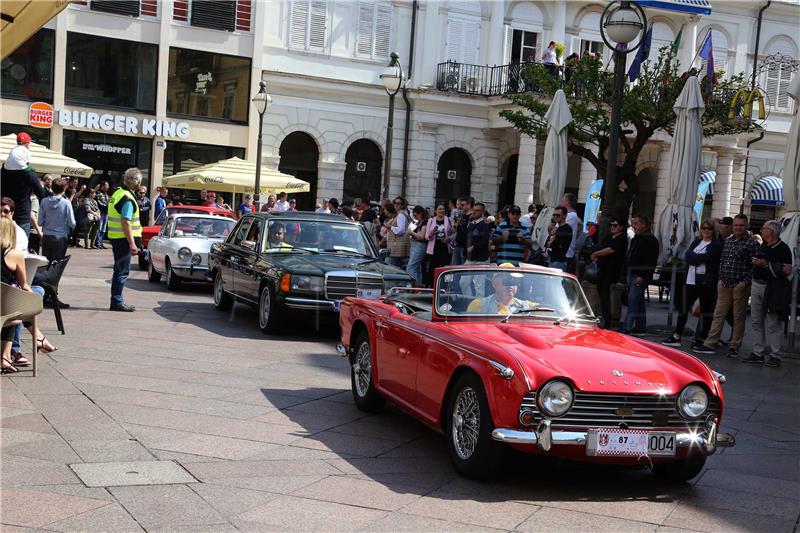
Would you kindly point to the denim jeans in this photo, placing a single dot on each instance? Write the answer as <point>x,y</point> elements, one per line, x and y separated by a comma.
<point>458,255</point>
<point>122,267</point>
<point>416,261</point>
<point>636,318</point>
<point>15,346</point>
<point>561,265</point>
<point>102,229</point>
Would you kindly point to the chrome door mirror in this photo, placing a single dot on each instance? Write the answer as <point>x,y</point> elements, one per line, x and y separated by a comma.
<point>383,253</point>
<point>250,245</point>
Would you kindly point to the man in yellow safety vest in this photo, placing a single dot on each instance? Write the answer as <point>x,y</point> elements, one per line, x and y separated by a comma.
<point>124,228</point>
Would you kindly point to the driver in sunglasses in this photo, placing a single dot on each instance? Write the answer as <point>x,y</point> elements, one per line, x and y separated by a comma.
<point>504,301</point>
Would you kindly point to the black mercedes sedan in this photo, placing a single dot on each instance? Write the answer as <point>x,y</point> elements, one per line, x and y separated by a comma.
<point>303,261</point>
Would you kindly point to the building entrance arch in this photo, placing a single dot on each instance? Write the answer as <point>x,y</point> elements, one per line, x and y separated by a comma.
<point>455,174</point>
<point>362,176</point>
<point>299,157</point>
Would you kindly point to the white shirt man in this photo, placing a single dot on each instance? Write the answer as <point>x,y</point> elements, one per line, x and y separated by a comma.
<point>19,157</point>
<point>549,55</point>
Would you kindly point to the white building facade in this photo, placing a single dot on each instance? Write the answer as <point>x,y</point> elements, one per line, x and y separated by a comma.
<point>323,58</point>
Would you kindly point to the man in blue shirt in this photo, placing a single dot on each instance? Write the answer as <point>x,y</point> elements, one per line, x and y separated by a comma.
<point>511,238</point>
<point>161,202</point>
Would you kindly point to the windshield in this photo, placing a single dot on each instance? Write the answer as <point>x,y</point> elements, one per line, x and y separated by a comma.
<point>169,211</point>
<point>317,236</point>
<point>211,227</point>
<point>506,291</point>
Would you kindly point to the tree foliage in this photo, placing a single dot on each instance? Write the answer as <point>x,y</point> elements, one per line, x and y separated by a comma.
<point>646,109</point>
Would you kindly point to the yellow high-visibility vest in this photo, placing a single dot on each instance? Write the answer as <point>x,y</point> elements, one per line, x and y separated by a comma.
<point>115,218</point>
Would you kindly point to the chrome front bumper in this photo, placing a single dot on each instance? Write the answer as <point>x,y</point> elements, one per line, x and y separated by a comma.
<point>544,437</point>
<point>309,303</point>
<point>194,272</point>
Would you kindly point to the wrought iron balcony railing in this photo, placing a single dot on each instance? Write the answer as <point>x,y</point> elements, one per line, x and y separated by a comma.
<point>485,80</point>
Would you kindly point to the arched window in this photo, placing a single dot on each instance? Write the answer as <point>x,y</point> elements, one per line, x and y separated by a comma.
<point>299,157</point>
<point>723,56</point>
<point>362,176</point>
<point>662,36</point>
<point>523,39</point>
<point>780,67</point>
<point>455,174</point>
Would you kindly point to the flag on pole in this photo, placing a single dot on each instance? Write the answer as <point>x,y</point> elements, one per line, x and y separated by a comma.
<point>707,53</point>
<point>641,56</point>
<point>676,44</point>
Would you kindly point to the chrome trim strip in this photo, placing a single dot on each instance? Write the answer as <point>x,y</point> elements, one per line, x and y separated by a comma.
<point>308,303</point>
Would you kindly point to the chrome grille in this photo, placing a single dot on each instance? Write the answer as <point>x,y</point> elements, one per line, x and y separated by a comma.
<point>341,284</point>
<point>598,410</point>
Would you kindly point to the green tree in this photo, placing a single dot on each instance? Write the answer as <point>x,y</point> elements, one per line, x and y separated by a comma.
<point>646,108</point>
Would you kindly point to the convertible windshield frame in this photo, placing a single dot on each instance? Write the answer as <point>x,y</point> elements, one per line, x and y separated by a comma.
<point>440,293</point>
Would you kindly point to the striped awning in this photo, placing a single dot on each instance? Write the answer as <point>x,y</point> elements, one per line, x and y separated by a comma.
<point>699,7</point>
<point>767,191</point>
<point>710,176</point>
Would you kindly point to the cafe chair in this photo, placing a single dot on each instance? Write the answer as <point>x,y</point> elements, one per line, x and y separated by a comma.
<point>48,277</point>
<point>16,304</point>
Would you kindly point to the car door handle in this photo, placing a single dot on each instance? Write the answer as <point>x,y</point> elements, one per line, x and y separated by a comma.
<point>381,325</point>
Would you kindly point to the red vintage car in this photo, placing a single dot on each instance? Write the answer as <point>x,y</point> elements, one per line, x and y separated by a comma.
<point>500,356</point>
<point>148,232</point>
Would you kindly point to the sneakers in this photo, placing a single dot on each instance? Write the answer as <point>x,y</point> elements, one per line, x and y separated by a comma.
<point>754,358</point>
<point>702,349</point>
<point>733,352</point>
<point>673,341</point>
<point>122,307</point>
<point>772,362</point>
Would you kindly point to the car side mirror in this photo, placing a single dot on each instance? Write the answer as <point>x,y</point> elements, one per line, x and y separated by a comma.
<point>250,245</point>
<point>383,253</point>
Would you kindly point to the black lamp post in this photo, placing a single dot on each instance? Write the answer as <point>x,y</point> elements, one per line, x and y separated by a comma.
<point>392,79</point>
<point>262,101</point>
<point>622,21</point>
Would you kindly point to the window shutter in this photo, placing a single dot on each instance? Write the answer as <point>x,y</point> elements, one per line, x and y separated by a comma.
<point>119,7</point>
<point>366,25</point>
<point>383,29</point>
<point>454,30</point>
<point>180,10</point>
<point>318,24</point>
<point>244,10</point>
<point>298,24</point>
<point>150,8</point>
<point>214,14</point>
<point>507,44</point>
<point>783,87</point>
<point>471,42</point>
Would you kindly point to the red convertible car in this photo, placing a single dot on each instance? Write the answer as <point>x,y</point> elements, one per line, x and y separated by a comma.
<point>499,356</point>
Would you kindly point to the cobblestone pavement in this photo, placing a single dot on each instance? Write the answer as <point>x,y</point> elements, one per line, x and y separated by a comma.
<point>180,418</point>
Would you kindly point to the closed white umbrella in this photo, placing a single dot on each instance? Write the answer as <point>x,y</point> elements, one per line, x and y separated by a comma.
<point>791,175</point>
<point>675,230</point>
<point>45,161</point>
<point>554,164</point>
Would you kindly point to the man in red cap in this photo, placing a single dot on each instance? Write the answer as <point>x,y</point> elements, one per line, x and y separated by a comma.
<point>19,181</point>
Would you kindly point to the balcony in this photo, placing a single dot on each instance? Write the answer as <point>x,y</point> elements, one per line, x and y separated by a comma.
<point>485,80</point>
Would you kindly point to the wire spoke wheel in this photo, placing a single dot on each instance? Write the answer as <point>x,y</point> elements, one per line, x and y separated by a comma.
<point>362,369</point>
<point>466,422</point>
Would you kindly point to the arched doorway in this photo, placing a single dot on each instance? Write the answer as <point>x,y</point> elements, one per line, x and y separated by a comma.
<point>299,157</point>
<point>455,173</point>
<point>505,194</point>
<point>362,177</point>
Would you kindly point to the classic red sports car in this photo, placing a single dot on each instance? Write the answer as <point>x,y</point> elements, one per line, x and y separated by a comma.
<point>500,356</point>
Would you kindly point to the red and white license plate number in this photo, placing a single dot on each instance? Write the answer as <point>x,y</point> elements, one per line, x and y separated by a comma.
<point>629,443</point>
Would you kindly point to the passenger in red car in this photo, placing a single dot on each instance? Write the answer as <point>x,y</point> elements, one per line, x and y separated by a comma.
<point>504,300</point>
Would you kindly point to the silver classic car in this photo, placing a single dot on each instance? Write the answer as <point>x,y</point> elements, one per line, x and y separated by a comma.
<point>180,249</point>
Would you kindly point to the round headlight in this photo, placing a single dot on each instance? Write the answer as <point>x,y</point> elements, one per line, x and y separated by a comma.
<point>555,398</point>
<point>196,259</point>
<point>184,254</point>
<point>692,402</point>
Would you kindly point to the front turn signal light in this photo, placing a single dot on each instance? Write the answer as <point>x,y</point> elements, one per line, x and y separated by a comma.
<point>286,283</point>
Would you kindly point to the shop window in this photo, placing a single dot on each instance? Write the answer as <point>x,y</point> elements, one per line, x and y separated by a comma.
<point>109,155</point>
<point>38,135</point>
<point>180,156</point>
<point>195,85</point>
<point>28,72</point>
<point>110,72</point>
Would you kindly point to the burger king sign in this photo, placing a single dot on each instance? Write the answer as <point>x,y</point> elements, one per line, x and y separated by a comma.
<point>40,115</point>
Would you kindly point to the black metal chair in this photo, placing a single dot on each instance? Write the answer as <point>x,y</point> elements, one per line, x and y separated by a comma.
<point>48,277</point>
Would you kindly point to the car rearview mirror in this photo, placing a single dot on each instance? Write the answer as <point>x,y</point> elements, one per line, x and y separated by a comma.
<point>383,253</point>
<point>250,245</point>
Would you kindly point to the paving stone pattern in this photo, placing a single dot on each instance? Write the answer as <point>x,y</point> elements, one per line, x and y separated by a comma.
<point>181,418</point>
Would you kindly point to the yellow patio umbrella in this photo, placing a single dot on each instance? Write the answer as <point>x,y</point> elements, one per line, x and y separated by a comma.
<point>22,18</point>
<point>235,175</point>
<point>46,161</point>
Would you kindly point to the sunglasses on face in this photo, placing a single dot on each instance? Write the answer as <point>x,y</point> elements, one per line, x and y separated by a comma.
<point>614,225</point>
<point>709,229</point>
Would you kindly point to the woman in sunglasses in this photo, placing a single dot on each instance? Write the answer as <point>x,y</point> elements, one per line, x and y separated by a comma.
<point>703,259</point>
<point>610,258</point>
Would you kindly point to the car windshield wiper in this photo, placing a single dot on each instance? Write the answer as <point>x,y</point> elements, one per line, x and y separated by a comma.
<point>540,308</point>
<point>351,252</point>
<point>292,249</point>
<point>566,319</point>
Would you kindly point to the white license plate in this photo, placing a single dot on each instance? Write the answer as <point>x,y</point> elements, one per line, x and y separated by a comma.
<point>630,443</point>
<point>369,294</point>
<point>336,305</point>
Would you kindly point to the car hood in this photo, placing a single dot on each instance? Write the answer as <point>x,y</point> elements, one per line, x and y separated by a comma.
<point>321,264</point>
<point>195,244</point>
<point>591,358</point>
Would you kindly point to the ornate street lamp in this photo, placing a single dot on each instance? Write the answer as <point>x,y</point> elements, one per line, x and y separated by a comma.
<point>261,101</point>
<point>622,22</point>
<point>392,79</point>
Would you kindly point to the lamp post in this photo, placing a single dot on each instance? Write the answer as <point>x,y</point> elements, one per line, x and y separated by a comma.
<point>392,78</point>
<point>262,101</point>
<point>622,21</point>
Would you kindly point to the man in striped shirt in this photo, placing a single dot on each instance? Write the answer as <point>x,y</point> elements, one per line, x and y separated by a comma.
<point>511,238</point>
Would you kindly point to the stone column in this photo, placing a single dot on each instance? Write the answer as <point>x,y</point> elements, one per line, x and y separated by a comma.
<point>558,30</point>
<point>59,78</point>
<point>737,181</point>
<point>330,180</point>
<point>422,189</point>
<point>662,180</point>
<point>688,43</point>
<point>495,44</point>
<point>721,207</point>
<point>430,40</point>
<point>526,169</point>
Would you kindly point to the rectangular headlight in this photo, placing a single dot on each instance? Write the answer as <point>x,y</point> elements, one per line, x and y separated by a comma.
<point>307,283</point>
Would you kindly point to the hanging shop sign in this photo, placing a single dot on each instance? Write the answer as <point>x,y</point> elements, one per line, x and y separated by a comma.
<point>108,122</point>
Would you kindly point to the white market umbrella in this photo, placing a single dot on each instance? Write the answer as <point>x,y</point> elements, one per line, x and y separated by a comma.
<point>44,160</point>
<point>554,165</point>
<point>235,175</point>
<point>675,230</point>
<point>791,175</point>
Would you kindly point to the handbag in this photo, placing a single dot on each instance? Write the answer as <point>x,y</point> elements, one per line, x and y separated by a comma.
<point>592,273</point>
